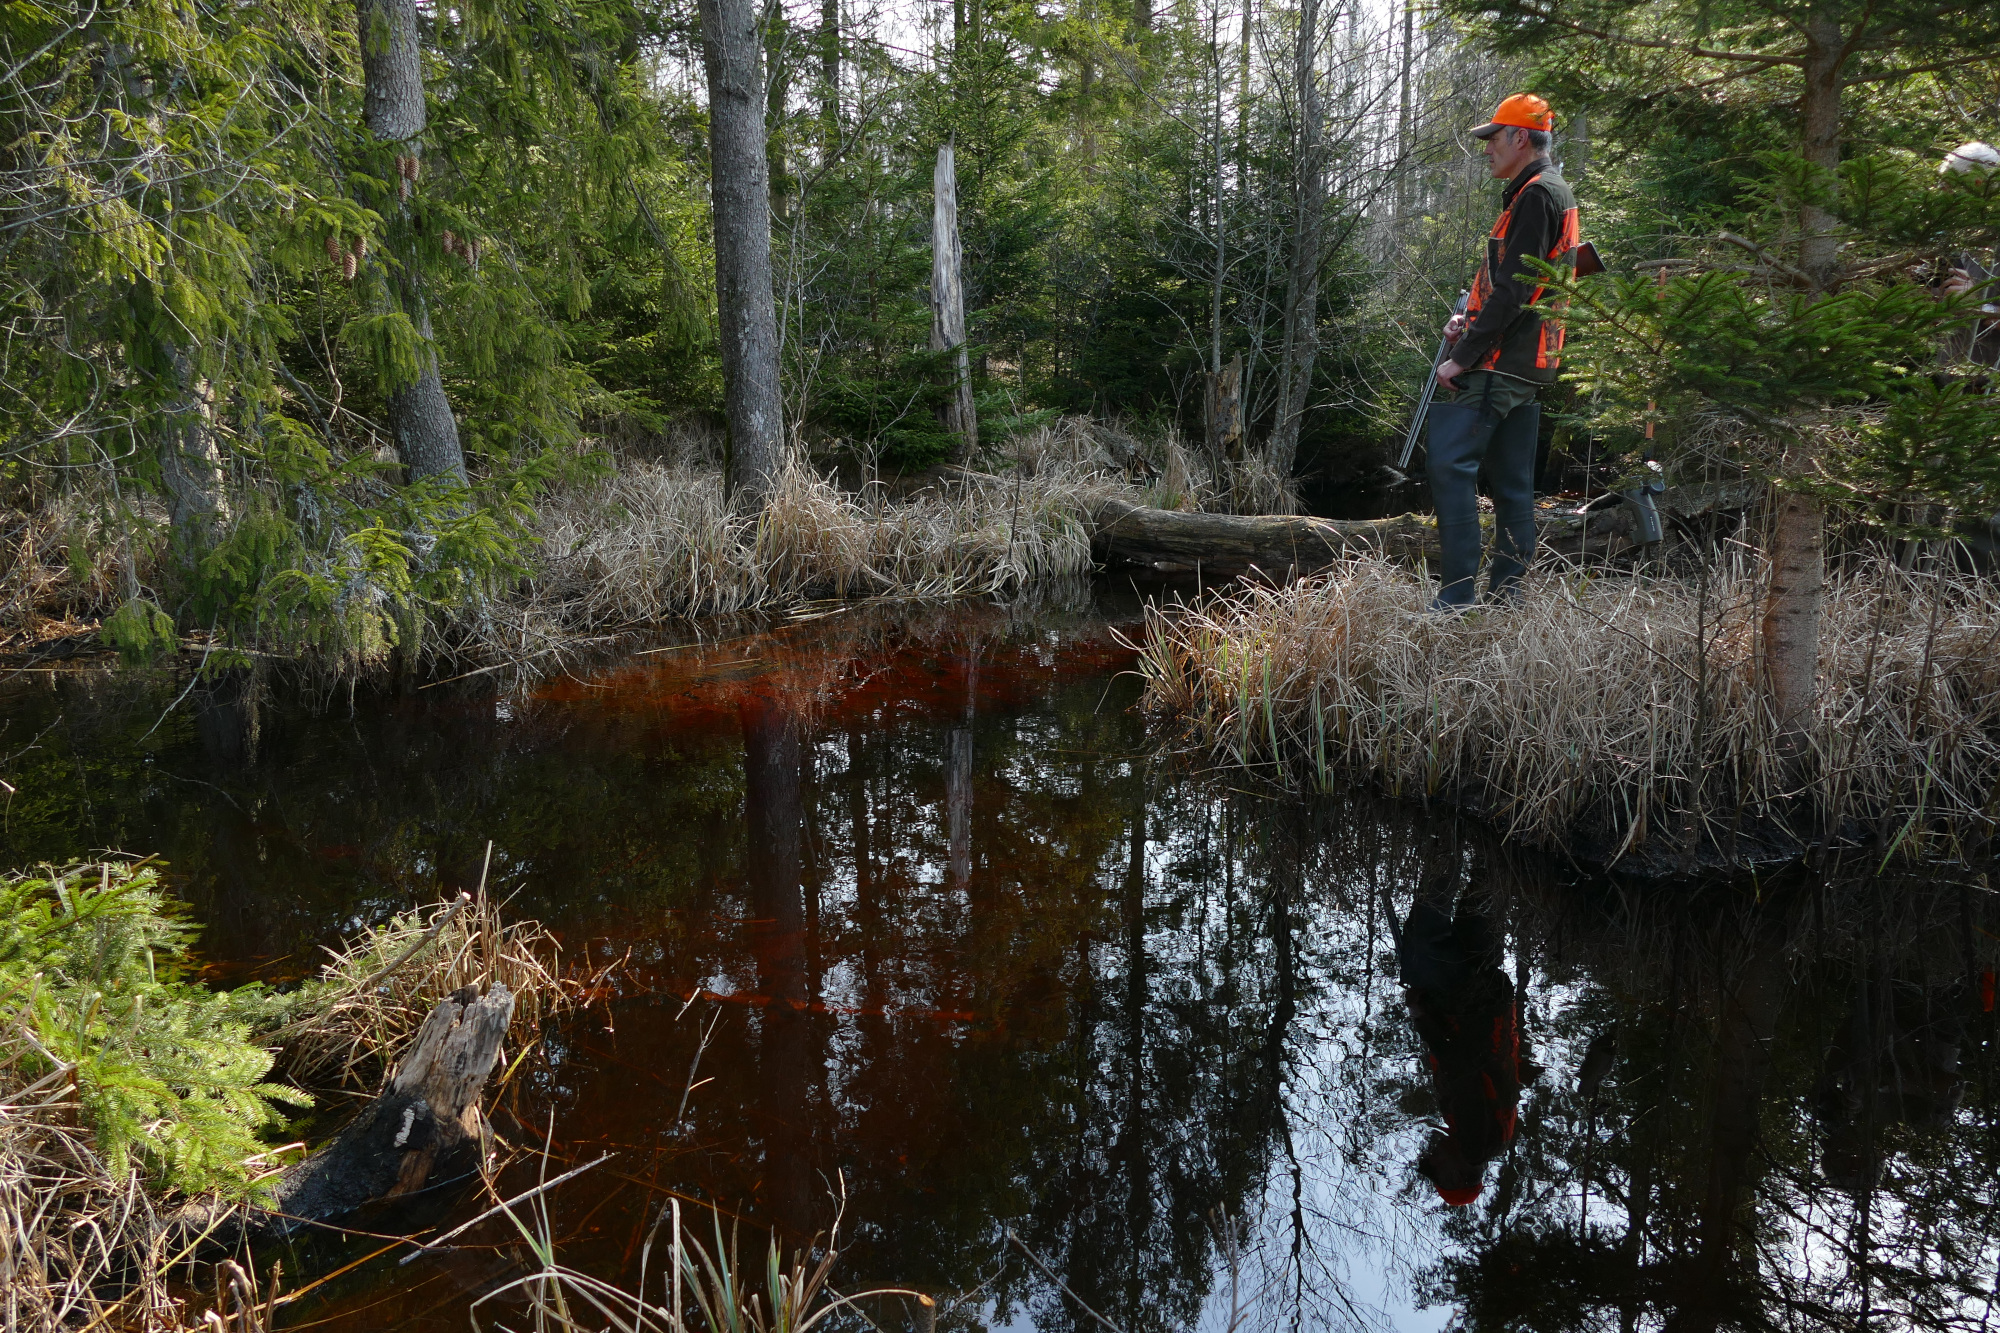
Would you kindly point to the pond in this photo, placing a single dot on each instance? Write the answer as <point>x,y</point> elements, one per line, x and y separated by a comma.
<point>914,914</point>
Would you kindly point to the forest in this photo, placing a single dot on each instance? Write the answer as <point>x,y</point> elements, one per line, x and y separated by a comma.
<point>340,332</point>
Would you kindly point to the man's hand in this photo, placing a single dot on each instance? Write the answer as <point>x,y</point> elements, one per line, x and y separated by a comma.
<point>1959,283</point>
<point>1452,328</point>
<point>1448,372</point>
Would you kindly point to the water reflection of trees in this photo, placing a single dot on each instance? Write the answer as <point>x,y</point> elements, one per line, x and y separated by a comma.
<point>1796,1133</point>
<point>972,953</point>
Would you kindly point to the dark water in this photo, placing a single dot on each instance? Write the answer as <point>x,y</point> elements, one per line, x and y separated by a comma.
<point>976,956</point>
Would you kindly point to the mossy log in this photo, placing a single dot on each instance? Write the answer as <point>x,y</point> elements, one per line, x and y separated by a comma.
<point>1283,546</point>
<point>425,1125</point>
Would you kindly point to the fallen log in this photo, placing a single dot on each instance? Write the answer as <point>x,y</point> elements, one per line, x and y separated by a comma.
<point>424,1127</point>
<point>1282,547</point>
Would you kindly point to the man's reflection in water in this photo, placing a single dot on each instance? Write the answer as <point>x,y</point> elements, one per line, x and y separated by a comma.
<point>1463,1008</point>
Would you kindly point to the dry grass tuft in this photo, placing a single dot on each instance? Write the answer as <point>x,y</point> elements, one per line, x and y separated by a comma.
<point>373,995</point>
<point>658,541</point>
<point>1627,706</point>
<point>68,1222</point>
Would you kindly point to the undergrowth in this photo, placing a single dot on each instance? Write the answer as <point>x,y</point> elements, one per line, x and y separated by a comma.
<point>126,1084</point>
<point>1613,709</point>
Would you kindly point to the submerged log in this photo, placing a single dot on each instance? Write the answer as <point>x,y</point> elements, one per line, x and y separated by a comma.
<point>425,1125</point>
<point>1281,547</point>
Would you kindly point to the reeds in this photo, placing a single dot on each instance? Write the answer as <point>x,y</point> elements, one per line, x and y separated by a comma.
<point>1619,708</point>
<point>704,1288</point>
<point>659,541</point>
<point>375,992</point>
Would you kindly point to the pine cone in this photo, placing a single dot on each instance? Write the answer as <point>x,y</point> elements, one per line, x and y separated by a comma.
<point>450,243</point>
<point>333,247</point>
<point>361,247</point>
<point>349,265</point>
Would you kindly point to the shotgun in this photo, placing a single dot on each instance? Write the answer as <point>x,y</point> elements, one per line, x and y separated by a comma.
<point>1430,391</point>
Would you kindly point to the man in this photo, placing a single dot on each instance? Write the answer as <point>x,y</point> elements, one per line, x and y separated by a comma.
<point>1502,352</point>
<point>1980,343</point>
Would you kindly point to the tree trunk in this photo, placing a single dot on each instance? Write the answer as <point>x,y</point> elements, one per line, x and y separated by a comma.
<point>829,72</point>
<point>742,197</point>
<point>420,418</point>
<point>190,464</point>
<point>1792,615</point>
<point>777,96</point>
<point>1797,550</point>
<point>1301,346</point>
<point>1281,547</point>
<point>1819,129</point>
<point>1404,146</point>
<point>948,302</point>
<point>1225,410</point>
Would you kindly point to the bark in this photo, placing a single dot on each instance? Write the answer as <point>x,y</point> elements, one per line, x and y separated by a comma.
<point>948,301</point>
<point>190,463</point>
<point>742,199</point>
<point>1225,409</point>
<point>1576,163</point>
<point>420,418</point>
<point>1301,346</point>
<point>1792,615</point>
<point>425,1126</point>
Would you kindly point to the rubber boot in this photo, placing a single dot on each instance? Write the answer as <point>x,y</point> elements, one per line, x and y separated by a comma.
<point>1458,439</point>
<point>1510,479</point>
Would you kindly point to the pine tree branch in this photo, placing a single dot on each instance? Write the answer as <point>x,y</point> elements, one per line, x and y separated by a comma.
<point>1691,48</point>
<point>1982,58</point>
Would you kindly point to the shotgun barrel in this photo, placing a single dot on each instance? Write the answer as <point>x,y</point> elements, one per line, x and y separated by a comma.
<point>1430,391</point>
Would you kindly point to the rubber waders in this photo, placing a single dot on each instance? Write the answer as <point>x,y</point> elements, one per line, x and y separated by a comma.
<point>1462,437</point>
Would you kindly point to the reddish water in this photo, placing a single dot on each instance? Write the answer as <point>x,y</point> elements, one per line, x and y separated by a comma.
<point>965,951</point>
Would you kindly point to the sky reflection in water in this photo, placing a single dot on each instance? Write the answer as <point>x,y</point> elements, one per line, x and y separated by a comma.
<point>965,946</point>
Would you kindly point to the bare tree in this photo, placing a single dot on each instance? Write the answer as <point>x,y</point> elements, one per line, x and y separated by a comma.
<point>948,300</point>
<point>742,194</point>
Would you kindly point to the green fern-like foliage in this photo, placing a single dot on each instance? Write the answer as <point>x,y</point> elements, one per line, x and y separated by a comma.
<point>94,962</point>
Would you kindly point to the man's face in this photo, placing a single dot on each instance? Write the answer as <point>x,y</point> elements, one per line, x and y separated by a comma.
<point>1506,153</point>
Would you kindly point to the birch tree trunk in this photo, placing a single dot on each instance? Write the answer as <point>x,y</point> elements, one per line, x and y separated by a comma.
<point>741,190</point>
<point>948,301</point>
<point>420,418</point>
<point>1301,346</point>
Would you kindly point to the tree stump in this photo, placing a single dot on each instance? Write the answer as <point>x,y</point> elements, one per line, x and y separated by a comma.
<point>425,1124</point>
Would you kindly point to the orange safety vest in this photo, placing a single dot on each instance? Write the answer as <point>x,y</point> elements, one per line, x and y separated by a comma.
<point>1548,340</point>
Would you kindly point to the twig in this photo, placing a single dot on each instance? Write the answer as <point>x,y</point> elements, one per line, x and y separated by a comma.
<point>502,1207</point>
<point>1035,1259</point>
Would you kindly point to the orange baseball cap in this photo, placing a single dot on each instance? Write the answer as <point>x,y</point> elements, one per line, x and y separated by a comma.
<point>1522,111</point>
